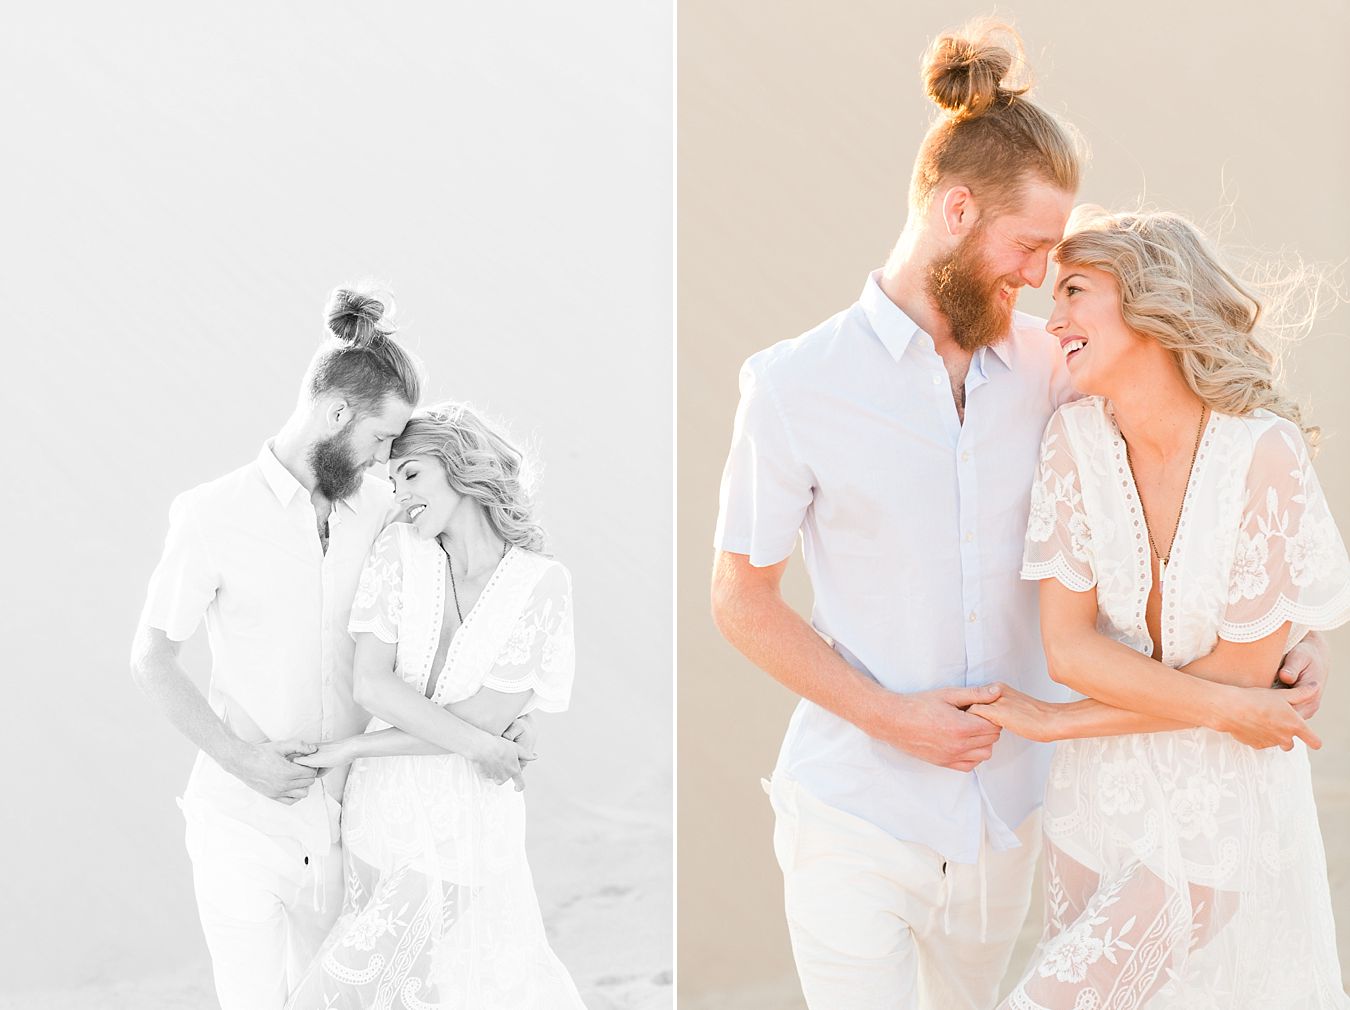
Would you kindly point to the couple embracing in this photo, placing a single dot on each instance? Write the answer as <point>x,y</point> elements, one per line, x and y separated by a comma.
<point>1102,530</point>
<point>354,816</point>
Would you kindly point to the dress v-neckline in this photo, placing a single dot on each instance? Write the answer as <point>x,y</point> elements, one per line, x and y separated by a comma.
<point>1147,582</point>
<point>437,670</point>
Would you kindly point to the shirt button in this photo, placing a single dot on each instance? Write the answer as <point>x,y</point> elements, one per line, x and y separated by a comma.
<point>970,537</point>
<point>972,617</point>
<point>937,380</point>
<point>965,457</point>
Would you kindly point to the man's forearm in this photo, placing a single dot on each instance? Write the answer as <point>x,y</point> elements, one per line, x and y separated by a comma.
<point>774,637</point>
<point>165,681</point>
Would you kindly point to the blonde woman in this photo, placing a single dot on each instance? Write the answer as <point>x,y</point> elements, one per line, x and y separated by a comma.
<point>1182,543</point>
<point>461,625</point>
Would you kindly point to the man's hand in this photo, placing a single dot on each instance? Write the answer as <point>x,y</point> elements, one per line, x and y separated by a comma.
<point>266,767</point>
<point>523,731</point>
<point>933,726</point>
<point>1309,661</point>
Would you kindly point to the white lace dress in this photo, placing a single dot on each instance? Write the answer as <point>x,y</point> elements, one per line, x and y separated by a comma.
<point>439,907</point>
<point>1183,869</point>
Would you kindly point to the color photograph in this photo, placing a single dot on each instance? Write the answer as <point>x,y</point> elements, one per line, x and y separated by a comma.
<point>1011,494</point>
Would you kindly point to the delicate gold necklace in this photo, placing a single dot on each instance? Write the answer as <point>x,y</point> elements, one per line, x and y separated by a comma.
<point>1162,560</point>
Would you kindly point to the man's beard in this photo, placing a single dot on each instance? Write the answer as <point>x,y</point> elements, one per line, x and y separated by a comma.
<point>336,473</point>
<point>965,293</point>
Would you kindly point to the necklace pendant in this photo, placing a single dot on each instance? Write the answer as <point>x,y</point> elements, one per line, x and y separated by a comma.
<point>1162,573</point>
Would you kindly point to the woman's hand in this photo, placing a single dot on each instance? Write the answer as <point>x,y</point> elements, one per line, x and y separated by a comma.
<point>498,759</point>
<point>331,754</point>
<point>1028,717</point>
<point>1267,717</point>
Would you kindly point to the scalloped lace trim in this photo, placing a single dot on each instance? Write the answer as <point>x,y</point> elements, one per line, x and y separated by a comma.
<point>377,628</point>
<point>1057,568</point>
<point>1331,614</point>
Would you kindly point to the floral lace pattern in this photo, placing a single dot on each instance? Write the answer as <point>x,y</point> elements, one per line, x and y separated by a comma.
<point>439,907</point>
<point>1184,870</point>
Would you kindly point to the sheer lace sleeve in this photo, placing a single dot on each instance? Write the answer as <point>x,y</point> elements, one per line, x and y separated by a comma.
<point>378,605</point>
<point>1290,563</point>
<point>539,654</point>
<point>1059,540</point>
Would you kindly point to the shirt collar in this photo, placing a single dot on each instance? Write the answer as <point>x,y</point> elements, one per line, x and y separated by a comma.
<point>283,482</point>
<point>895,329</point>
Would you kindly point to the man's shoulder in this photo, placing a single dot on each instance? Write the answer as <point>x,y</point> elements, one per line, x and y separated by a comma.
<point>802,356</point>
<point>223,492</point>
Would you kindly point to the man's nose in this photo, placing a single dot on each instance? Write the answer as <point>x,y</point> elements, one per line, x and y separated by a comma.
<point>1034,273</point>
<point>382,453</point>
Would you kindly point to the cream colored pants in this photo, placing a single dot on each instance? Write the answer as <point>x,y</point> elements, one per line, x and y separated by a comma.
<point>266,904</point>
<point>881,924</point>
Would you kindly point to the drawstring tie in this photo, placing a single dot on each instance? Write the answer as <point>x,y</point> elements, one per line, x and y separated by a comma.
<point>945,894</point>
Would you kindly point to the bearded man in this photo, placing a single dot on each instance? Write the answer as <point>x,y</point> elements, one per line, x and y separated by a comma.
<point>270,555</point>
<point>899,439</point>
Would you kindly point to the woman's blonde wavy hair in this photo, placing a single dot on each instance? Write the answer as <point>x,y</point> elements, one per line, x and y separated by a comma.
<point>1226,340</point>
<point>480,464</point>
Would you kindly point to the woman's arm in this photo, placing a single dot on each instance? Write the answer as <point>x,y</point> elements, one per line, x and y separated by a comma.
<point>1131,693</point>
<point>394,742</point>
<point>380,691</point>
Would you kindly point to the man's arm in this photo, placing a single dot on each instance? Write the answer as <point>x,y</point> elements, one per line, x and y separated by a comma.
<point>264,767</point>
<point>1308,664</point>
<point>750,612</point>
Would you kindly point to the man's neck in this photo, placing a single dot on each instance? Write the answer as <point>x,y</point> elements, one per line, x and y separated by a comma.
<point>904,281</point>
<point>291,448</point>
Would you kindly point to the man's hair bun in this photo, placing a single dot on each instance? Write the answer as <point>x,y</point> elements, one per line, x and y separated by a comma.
<point>359,318</point>
<point>969,71</point>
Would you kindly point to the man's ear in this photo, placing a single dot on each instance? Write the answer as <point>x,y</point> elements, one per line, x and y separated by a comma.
<point>337,413</point>
<point>959,212</point>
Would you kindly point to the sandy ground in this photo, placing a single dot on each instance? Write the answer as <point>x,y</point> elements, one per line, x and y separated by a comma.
<point>604,886</point>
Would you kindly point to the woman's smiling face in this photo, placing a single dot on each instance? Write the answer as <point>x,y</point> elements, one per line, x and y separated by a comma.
<point>423,491</point>
<point>1097,344</point>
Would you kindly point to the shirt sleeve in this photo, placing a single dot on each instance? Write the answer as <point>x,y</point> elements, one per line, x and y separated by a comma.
<point>766,488</point>
<point>185,581</point>
<point>1290,562</point>
<point>540,654</point>
<point>378,605</point>
<point>1059,539</point>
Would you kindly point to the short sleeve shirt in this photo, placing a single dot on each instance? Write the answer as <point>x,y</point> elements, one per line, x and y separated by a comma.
<point>912,525</point>
<point>243,554</point>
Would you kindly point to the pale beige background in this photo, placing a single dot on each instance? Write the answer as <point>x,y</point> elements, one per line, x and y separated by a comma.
<point>184,183</point>
<point>798,123</point>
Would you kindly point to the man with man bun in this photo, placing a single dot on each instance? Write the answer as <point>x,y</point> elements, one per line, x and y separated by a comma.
<point>899,439</point>
<point>270,555</point>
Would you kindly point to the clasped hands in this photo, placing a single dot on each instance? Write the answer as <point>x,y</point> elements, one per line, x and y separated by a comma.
<point>284,770</point>
<point>957,727</point>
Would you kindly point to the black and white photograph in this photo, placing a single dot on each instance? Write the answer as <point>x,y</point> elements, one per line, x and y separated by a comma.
<point>340,623</point>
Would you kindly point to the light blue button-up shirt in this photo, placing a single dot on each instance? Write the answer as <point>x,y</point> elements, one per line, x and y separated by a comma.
<point>912,526</point>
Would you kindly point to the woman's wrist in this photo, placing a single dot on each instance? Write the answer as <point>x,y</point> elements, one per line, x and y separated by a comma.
<point>1223,702</point>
